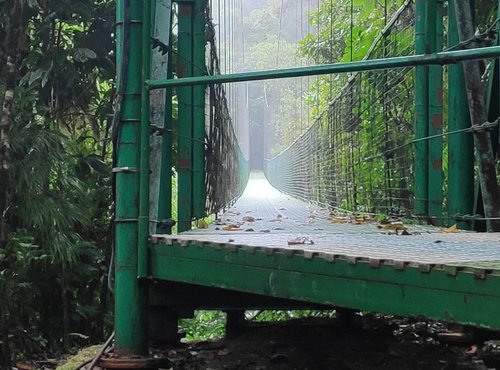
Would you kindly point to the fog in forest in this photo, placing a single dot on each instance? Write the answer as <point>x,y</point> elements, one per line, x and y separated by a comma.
<point>259,35</point>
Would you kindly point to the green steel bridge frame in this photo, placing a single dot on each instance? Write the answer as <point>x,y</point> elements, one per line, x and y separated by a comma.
<point>155,280</point>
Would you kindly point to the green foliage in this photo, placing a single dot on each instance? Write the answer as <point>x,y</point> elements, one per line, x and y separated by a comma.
<point>277,316</point>
<point>357,148</point>
<point>210,325</point>
<point>206,325</point>
<point>57,249</point>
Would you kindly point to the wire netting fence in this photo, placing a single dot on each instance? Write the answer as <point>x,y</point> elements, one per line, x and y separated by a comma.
<point>358,156</point>
<point>226,167</point>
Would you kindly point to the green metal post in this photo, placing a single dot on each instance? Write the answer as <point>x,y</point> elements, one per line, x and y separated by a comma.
<point>460,147</point>
<point>185,96</point>
<point>142,270</point>
<point>493,92</point>
<point>130,298</point>
<point>199,45</point>
<point>484,155</point>
<point>165,193</point>
<point>421,114</point>
<point>434,42</point>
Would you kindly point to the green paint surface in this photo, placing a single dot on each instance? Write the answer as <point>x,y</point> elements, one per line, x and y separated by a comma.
<point>455,297</point>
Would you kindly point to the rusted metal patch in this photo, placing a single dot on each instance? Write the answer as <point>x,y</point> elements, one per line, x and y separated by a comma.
<point>133,363</point>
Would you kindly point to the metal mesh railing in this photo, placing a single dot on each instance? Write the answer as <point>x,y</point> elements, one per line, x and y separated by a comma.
<point>226,167</point>
<point>357,155</point>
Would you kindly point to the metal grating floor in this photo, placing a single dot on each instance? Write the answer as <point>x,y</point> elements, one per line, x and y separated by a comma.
<point>280,218</point>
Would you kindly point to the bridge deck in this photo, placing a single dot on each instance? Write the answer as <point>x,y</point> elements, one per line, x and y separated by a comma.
<point>451,276</point>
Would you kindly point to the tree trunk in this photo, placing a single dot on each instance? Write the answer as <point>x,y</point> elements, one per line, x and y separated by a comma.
<point>482,139</point>
<point>15,34</point>
<point>5,356</point>
<point>65,307</point>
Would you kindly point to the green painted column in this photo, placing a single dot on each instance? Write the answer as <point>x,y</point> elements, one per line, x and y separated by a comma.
<point>434,43</point>
<point>165,193</point>
<point>185,96</point>
<point>143,237</point>
<point>460,147</point>
<point>130,297</point>
<point>421,114</point>
<point>199,47</point>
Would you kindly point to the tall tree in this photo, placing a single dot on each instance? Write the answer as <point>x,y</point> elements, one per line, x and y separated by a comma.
<point>14,37</point>
<point>56,87</point>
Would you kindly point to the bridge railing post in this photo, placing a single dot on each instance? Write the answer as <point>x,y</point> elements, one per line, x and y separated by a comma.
<point>130,294</point>
<point>164,194</point>
<point>434,43</point>
<point>199,47</point>
<point>421,188</point>
<point>460,147</point>
<point>185,97</point>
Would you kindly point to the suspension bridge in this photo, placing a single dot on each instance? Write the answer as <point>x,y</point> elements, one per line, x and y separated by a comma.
<point>301,229</point>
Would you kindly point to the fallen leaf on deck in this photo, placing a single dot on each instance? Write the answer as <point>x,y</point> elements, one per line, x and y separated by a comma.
<point>202,224</point>
<point>249,219</point>
<point>231,227</point>
<point>451,229</point>
<point>339,220</point>
<point>359,220</point>
<point>397,226</point>
<point>300,240</point>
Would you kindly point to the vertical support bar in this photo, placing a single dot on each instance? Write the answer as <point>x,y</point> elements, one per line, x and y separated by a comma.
<point>130,299</point>
<point>185,96</point>
<point>165,193</point>
<point>421,115</point>
<point>199,45</point>
<point>142,270</point>
<point>487,173</point>
<point>460,147</point>
<point>493,93</point>
<point>434,42</point>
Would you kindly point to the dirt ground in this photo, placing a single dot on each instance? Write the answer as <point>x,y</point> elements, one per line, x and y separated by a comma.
<point>368,342</point>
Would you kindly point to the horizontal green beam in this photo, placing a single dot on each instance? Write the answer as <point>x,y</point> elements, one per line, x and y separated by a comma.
<point>445,57</point>
<point>438,293</point>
